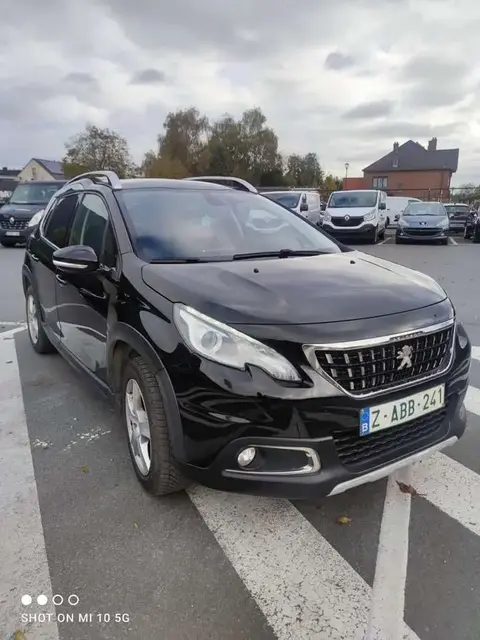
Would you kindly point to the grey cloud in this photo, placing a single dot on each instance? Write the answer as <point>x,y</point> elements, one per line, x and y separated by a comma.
<point>149,76</point>
<point>337,61</point>
<point>79,77</point>
<point>368,110</point>
<point>411,130</point>
<point>434,68</point>
<point>438,95</point>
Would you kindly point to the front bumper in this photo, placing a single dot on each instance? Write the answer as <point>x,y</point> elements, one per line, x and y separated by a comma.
<point>362,232</point>
<point>415,235</point>
<point>316,438</point>
<point>15,235</point>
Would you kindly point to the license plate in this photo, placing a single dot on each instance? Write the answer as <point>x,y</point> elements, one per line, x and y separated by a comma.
<point>391,414</point>
<point>12,233</point>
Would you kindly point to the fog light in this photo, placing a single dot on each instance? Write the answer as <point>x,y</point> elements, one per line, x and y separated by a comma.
<point>246,456</point>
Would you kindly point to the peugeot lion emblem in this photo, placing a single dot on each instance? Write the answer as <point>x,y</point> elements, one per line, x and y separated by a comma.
<point>347,217</point>
<point>405,356</point>
<point>12,220</point>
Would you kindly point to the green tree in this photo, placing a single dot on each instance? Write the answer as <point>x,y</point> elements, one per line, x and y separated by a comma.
<point>185,139</point>
<point>304,171</point>
<point>96,149</point>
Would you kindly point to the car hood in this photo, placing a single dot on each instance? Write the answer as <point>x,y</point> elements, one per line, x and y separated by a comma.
<point>422,221</point>
<point>310,290</point>
<point>21,211</point>
<point>353,212</point>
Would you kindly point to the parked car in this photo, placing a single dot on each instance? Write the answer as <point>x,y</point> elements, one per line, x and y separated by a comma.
<point>396,206</point>
<point>471,229</point>
<point>271,361</point>
<point>423,221</point>
<point>24,210</point>
<point>458,214</point>
<point>356,215</point>
<point>306,203</point>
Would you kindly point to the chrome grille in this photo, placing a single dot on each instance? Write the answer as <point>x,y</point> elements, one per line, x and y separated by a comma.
<point>352,222</point>
<point>370,369</point>
<point>18,224</point>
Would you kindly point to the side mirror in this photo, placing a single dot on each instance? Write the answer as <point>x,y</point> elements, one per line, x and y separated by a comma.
<point>76,259</point>
<point>382,206</point>
<point>397,217</point>
<point>304,206</point>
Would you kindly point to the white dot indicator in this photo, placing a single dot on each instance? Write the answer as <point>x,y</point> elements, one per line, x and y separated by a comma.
<point>26,600</point>
<point>73,599</point>
<point>57,599</point>
<point>42,600</point>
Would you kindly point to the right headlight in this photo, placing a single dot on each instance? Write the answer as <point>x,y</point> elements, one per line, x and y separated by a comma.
<point>35,219</point>
<point>225,345</point>
<point>327,216</point>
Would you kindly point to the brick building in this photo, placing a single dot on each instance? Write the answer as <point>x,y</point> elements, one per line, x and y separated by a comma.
<point>411,170</point>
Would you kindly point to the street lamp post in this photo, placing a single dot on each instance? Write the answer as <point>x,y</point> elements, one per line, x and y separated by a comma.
<point>346,170</point>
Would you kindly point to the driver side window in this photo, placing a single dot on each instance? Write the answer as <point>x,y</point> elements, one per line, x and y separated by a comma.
<point>91,227</point>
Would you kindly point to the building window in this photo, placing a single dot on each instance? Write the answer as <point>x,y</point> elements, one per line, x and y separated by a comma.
<point>380,183</point>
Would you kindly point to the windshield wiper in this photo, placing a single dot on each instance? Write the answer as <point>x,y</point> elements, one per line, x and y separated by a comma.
<point>176,260</point>
<point>281,253</point>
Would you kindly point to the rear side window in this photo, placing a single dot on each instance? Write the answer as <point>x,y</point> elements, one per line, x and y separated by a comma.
<point>58,224</point>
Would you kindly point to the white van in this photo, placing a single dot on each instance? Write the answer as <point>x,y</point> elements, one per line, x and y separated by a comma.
<point>352,215</point>
<point>396,206</point>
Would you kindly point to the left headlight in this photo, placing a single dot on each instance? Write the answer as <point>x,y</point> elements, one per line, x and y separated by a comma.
<point>223,344</point>
<point>35,219</point>
<point>371,215</point>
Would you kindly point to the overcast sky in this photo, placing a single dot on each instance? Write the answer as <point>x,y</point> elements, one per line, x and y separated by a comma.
<point>343,78</point>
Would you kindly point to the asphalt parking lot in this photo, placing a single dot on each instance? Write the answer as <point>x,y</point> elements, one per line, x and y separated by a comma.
<point>213,566</point>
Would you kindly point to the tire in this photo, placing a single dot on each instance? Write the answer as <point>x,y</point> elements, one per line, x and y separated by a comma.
<point>163,475</point>
<point>374,238</point>
<point>476,237</point>
<point>466,234</point>
<point>36,333</point>
<point>8,243</point>
<point>387,223</point>
<point>444,242</point>
<point>398,241</point>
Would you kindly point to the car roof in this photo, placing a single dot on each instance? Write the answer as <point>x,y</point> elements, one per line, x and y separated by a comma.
<point>169,183</point>
<point>284,191</point>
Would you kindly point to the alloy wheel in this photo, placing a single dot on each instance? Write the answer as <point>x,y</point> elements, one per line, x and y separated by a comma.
<point>138,427</point>
<point>32,319</point>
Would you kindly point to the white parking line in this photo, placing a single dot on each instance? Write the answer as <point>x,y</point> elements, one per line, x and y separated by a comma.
<point>452,241</point>
<point>388,595</point>
<point>451,487</point>
<point>23,561</point>
<point>303,586</point>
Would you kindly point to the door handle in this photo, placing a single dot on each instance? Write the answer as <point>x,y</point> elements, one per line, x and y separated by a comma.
<point>60,280</point>
<point>34,257</point>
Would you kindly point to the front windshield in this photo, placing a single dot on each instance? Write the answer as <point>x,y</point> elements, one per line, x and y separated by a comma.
<point>349,199</point>
<point>204,224</point>
<point>34,193</point>
<point>288,199</point>
<point>424,209</point>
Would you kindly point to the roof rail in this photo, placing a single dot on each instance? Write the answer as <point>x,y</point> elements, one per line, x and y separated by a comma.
<point>236,183</point>
<point>110,176</point>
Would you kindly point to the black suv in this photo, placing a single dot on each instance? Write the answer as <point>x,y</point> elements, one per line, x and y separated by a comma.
<point>246,349</point>
<point>24,209</point>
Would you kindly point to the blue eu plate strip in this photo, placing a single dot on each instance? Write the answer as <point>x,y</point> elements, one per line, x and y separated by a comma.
<point>364,422</point>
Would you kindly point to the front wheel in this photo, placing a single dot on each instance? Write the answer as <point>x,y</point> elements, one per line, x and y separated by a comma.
<point>476,237</point>
<point>467,234</point>
<point>374,237</point>
<point>147,430</point>
<point>444,242</point>
<point>38,338</point>
<point>8,243</point>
